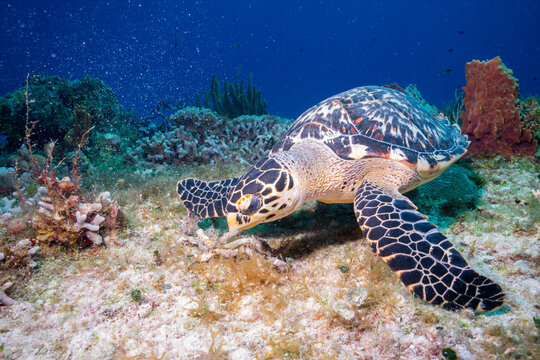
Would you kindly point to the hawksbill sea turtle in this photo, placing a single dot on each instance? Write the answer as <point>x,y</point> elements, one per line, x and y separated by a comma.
<point>366,146</point>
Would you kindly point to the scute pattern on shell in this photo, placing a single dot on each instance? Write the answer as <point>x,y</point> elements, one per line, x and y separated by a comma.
<point>373,121</point>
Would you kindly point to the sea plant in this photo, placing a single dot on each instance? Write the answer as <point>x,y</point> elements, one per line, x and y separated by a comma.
<point>454,108</point>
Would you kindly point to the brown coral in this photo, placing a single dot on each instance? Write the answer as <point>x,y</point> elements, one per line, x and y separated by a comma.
<point>492,118</point>
<point>16,226</point>
<point>62,217</point>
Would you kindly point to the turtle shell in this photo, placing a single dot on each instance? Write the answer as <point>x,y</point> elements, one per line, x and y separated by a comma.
<point>374,121</point>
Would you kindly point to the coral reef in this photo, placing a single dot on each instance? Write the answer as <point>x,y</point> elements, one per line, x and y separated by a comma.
<point>454,108</point>
<point>164,272</point>
<point>413,92</point>
<point>444,198</point>
<point>64,108</point>
<point>531,110</point>
<point>7,181</point>
<point>198,134</point>
<point>58,211</point>
<point>493,117</point>
<point>64,218</point>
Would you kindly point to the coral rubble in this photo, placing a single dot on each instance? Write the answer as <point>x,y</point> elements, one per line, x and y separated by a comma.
<point>493,118</point>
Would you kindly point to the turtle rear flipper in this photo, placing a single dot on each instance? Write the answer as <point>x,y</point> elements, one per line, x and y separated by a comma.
<point>422,257</point>
<point>206,199</point>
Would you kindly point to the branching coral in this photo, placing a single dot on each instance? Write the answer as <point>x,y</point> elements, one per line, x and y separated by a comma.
<point>62,217</point>
<point>201,135</point>
<point>233,101</point>
<point>61,211</point>
<point>454,108</point>
<point>493,118</point>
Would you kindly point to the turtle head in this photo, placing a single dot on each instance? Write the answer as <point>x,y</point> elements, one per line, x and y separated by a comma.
<point>267,192</point>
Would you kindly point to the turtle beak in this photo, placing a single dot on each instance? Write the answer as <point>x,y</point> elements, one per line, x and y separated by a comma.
<point>232,222</point>
<point>236,221</point>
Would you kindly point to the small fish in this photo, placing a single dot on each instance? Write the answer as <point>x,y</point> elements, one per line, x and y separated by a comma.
<point>450,50</point>
<point>447,71</point>
<point>533,78</point>
<point>461,32</point>
<point>374,39</point>
<point>175,43</point>
<point>235,46</point>
<point>301,50</point>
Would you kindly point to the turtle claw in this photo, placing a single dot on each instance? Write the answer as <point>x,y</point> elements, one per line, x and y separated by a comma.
<point>224,248</point>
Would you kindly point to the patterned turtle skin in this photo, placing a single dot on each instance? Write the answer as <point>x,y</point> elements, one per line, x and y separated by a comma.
<point>366,146</point>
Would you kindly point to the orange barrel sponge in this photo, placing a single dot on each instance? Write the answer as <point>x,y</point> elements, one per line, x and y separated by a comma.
<point>492,118</point>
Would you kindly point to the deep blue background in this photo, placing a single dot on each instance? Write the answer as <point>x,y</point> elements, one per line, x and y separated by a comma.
<point>299,52</point>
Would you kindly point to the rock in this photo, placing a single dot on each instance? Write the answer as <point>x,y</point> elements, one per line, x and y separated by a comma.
<point>356,296</point>
<point>145,310</point>
<point>343,311</point>
<point>95,238</point>
<point>6,300</point>
<point>32,250</point>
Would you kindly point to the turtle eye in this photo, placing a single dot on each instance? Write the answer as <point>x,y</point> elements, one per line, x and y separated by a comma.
<point>255,203</point>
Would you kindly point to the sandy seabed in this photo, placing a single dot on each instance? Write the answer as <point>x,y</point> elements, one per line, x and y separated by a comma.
<point>144,297</point>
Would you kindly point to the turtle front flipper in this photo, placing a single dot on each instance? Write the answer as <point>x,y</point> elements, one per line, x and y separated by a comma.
<point>206,199</point>
<point>422,257</point>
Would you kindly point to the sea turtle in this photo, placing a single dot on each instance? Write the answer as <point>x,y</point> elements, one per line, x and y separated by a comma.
<point>366,146</point>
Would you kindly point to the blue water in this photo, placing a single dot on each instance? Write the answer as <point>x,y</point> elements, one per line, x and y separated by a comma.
<point>299,52</point>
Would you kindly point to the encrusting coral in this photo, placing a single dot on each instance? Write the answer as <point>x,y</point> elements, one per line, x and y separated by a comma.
<point>493,118</point>
<point>444,198</point>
